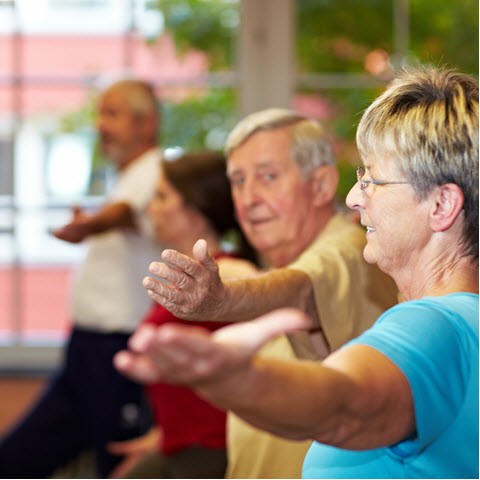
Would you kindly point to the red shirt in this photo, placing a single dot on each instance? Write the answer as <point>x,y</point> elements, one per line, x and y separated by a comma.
<point>185,419</point>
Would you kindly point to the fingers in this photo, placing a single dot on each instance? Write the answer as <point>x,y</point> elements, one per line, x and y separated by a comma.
<point>200,250</point>
<point>138,445</point>
<point>142,338</point>
<point>176,345</point>
<point>170,273</point>
<point>256,333</point>
<point>187,288</point>
<point>58,233</point>
<point>177,264</point>
<point>183,263</point>
<point>168,296</point>
<point>172,353</point>
<point>200,253</point>
<point>139,368</point>
<point>76,210</point>
<point>68,234</point>
<point>121,448</point>
<point>191,355</point>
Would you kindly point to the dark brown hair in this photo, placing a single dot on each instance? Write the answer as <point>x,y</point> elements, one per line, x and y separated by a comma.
<point>201,179</point>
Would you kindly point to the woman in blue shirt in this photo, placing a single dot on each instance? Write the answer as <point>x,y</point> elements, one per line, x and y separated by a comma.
<point>401,400</point>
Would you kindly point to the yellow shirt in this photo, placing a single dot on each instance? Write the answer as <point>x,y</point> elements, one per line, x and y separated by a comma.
<point>349,296</point>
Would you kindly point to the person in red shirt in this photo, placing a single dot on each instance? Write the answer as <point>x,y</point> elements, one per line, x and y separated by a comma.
<point>192,201</point>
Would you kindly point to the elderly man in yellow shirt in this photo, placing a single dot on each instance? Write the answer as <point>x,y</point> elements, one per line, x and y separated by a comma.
<point>284,182</point>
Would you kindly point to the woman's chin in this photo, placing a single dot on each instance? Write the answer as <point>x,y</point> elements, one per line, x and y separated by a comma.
<point>369,255</point>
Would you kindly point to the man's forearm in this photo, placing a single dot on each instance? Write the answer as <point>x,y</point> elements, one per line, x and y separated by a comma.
<point>113,215</point>
<point>284,287</point>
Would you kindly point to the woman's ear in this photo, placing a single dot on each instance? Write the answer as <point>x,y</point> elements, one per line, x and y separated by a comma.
<point>448,204</point>
<point>325,183</point>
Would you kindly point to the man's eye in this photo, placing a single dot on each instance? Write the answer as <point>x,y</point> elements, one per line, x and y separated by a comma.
<point>237,181</point>
<point>270,176</point>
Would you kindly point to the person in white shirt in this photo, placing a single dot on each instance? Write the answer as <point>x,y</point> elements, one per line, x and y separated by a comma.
<point>88,403</point>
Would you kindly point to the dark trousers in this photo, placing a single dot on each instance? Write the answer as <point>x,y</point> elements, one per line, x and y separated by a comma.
<point>86,404</point>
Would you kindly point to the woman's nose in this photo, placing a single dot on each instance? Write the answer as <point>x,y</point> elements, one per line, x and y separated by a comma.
<point>355,198</point>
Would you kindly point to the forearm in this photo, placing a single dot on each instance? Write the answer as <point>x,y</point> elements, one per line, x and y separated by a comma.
<point>192,289</point>
<point>249,298</point>
<point>313,400</point>
<point>113,215</point>
<point>294,400</point>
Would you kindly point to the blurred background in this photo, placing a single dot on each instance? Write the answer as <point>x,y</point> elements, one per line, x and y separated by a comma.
<point>211,61</point>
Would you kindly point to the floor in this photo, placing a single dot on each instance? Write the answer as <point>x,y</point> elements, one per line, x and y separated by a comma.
<point>16,394</point>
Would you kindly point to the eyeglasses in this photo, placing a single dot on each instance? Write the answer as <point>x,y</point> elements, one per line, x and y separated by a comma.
<point>365,183</point>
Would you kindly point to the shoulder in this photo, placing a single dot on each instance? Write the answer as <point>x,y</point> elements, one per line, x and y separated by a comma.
<point>429,319</point>
<point>419,336</point>
<point>338,248</point>
<point>145,164</point>
<point>434,342</point>
<point>446,313</point>
<point>339,235</point>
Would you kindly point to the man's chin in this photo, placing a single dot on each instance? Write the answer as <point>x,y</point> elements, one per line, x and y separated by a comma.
<point>262,244</point>
<point>113,153</point>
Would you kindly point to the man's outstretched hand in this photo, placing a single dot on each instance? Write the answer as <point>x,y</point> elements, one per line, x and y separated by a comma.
<point>190,288</point>
<point>77,229</point>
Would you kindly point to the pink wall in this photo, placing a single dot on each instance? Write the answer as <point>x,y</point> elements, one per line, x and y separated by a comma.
<point>57,69</point>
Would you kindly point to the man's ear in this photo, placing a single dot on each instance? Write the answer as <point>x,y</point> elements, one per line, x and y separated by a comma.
<point>325,183</point>
<point>146,124</point>
<point>448,204</point>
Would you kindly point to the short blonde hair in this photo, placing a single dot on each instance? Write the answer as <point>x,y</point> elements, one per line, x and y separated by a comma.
<point>310,146</point>
<point>428,122</point>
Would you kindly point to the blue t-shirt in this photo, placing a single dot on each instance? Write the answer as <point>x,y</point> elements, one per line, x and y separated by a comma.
<point>434,341</point>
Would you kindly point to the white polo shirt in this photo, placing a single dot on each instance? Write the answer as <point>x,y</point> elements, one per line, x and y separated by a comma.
<point>107,293</point>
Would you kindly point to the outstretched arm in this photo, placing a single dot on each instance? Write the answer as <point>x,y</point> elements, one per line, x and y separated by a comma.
<point>113,215</point>
<point>356,398</point>
<point>191,288</point>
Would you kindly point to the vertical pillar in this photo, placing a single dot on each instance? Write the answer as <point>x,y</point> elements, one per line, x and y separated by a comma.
<point>266,60</point>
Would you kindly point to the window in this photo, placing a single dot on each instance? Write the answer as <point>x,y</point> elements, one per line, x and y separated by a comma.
<point>54,55</point>
<point>325,58</point>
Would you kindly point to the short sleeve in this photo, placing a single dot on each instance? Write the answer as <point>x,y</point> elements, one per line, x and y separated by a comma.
<point>430,345</point>
<point>136,185</point>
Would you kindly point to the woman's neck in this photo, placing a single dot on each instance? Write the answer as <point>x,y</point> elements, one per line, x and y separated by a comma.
<point>460,276</point>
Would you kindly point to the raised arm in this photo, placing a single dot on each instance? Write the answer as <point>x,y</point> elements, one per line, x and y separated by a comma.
<point>355,399</point>
<point>113,215</point>
<point>191,288</point>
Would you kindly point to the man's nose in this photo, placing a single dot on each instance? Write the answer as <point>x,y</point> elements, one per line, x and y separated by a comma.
<point>249,193</point>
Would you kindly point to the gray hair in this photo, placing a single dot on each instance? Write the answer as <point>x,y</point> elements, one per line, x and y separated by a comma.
<point>140,96</point>
<point>310,146</point>
<point>428,122</point>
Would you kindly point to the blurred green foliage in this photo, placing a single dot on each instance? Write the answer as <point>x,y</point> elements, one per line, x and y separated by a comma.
<point>445,32</point>
<point>333,36</point>
<point>207,25</point>
<point>200,122</point>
